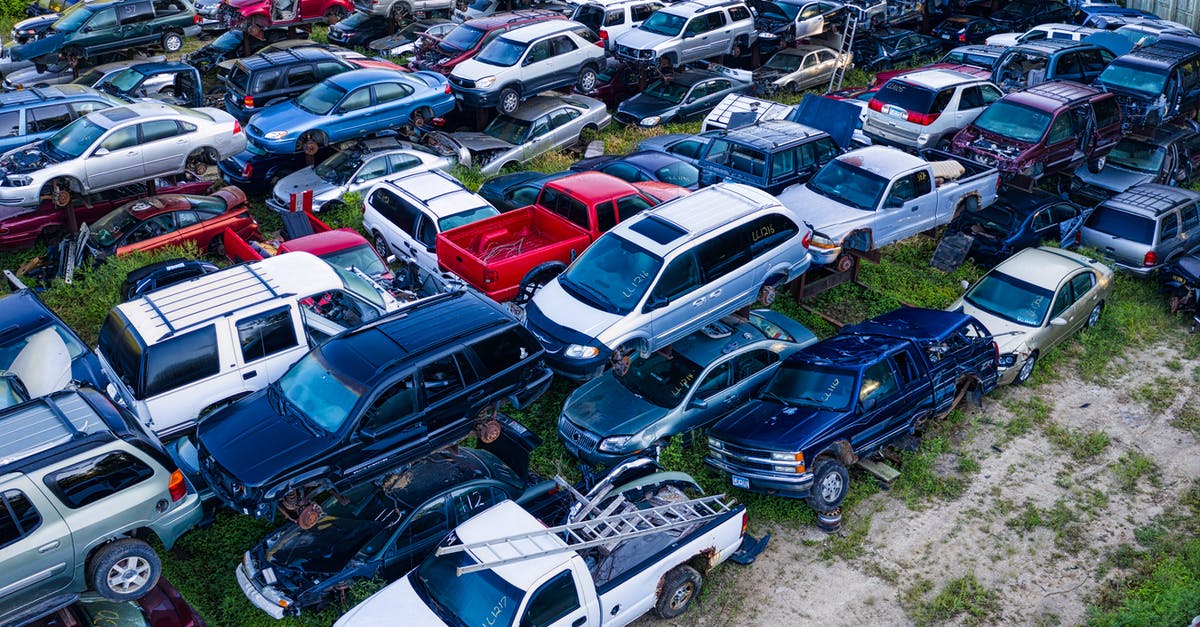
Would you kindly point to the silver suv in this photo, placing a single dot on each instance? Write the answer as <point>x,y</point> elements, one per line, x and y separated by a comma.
<point>82,489</point>
<point>1144,228</point>
<point>665,273</point>
<point>925,109</point>
<point>689,31</point>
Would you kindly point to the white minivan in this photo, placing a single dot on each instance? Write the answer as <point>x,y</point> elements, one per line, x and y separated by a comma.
<point>609,18</point>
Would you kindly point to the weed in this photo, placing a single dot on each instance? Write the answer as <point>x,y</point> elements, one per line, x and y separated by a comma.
<point>1028,519</point>
<point>1158,394</point>
<point>1132,468</point>
<point>961,595</point>
<point>1079,444</point>
<point>1188,417</point>
<point>1174,365</point>
<point>1026,414</point>
<point>921,479</point>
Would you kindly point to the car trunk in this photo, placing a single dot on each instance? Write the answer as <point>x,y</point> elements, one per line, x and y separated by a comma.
<point>1122,236</point>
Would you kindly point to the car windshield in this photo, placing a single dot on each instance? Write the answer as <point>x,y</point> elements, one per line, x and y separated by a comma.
<point>364,289</point>
<point>357,20</point>
<point>1137,154</point>
<point>319,393</point>
<point>73,18</point>
<point>466,217</point>
<point>1014,121</point>
<point>413,30</point>
<point>502,52</point>
<point>662,23</point>
<point>843,181</point>
<point>362,257</point>
<point>786,9</point>
<point>1011,298</point>
<point>460,39</point>
<point>968,58</point>
<point>320,98</point>
<point>477,598</point>
<point>509,129</point>
<point>339,168</point>
<point>121,82</point>
<point>228,41</point>
<point>1132,78</point>
<point>661,380</point>
<point>611,275</point>
<point>669,91</point>
<point>681,174</point>
<point>111,228</point>
<point>1121,225</point>
<point>785,61</point>
<point>811,386</point>
<point>75,138</point>
<point>89,78</point>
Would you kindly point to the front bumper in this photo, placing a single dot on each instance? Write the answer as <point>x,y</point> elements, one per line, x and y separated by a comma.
<point>285,146</point>
<point>256,597</point>
<point>27,196</point>
<point>824,256</point>
<point>775,484</point>
<point>578,369</point>
<point>477,98</point>
<point>582,444</point>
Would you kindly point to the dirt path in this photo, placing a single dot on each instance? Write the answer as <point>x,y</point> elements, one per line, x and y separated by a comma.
<point>1034,526</point>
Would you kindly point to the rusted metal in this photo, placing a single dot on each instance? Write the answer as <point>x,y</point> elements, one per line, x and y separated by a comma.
<point>845,453</point>
<point>709,557</point>
<point>309,516</point>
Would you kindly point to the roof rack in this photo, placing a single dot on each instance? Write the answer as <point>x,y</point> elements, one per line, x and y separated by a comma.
<point>39,425</point>
<point>240,286</point>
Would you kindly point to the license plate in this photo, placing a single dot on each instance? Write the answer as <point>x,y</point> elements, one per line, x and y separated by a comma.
<point>896,112</point>
<point>945,35</point>
<point>740,482</point>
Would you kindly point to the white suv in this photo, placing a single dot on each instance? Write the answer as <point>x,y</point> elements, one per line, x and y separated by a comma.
<point>174,354</point>
<point>405,214</point>
<point>610,18</point>
<point>1069,32</point>
<point>925,109</point>
<point>689,31</point>
<point>527,61</point>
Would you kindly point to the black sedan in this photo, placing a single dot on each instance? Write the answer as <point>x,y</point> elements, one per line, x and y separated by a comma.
<point>688,95</point>
<point>1019,219</point>
<point>519,189</point>
<point>647,165</point>
<point>958,30</point>
<point>358,30</point>
<point>886,49</point>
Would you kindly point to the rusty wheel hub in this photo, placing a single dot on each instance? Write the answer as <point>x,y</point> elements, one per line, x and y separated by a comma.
<point>309,516</point>
<point>488,431</point>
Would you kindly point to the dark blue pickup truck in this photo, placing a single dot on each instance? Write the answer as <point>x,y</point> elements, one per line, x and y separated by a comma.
<point>849,396</point>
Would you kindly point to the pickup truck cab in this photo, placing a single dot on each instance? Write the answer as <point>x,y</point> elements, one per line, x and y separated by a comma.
<point>846,398</point>
<point>877,195</point>
<point>514,254</point>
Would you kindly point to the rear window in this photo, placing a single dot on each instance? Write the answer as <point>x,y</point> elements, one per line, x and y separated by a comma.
<point>589,15</point>
<point>907,96</point>
<point>1120,224</point>
<point>239,78</point>
<point>87,482</point>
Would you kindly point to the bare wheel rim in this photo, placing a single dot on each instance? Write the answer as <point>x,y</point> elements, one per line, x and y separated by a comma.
<point>129,575</point>
<point>831,487</point>
<point>682,595</point>
<point>1026,368</point>
<point>1094,317</point>
<point>173,43</point>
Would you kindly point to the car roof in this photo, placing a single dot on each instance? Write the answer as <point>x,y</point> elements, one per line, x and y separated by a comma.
<point>773,134</point>
<point>1043,266</point>
<point>538,106</point>
<point>911,323</point>
<point>506,519</point>
<point>1053,95</point>
<point>1064,28</point>
<point>593,187</point>
<point>805,49</point>
<point>133,110</point>
<point>881,160</point>
<point>440,192</point>
<point>299,54</point>
<point>1024,202</point>
<point>1051,46</point>
<point>366,76</point>
<point>157,67</point>
<point>693,215</point>
<point>529,32</point>
<point>689,7</point>
<point>439,472</point>
<point>150,206</point>
<point>500,20</point>
<point>326,242</point>
<point>1151,199</point>
<point>706,346</point>
<point>1160,54</point>
<point>34,429</point>
<point>1165,133</point>
<point>938,78</point>
<point>50,92</point>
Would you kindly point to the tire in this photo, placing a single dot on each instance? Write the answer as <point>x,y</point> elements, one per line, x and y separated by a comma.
<point>124,570</point>
<point>421,116</point>
<point>311,143</point>
<point>587,79</point>
<point>831,483</point>
<point>680,587</point>
<point>400,12</point>
<point>766,295</point>
<point>172,42</point>
<point>72,55</point>
<point>1094,317</point>
<point>1026,370</point>
<point>381,245</point>
<point>509,101</point>
<point>535,280</point>
<point>1097,164</point>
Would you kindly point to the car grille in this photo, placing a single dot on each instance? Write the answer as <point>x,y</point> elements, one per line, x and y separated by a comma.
<point>634,53</point>
<point>579,437</point>
<point>254,130</point>
<point>625,118</point>
<point>742,457</point>
<point>462,82</point>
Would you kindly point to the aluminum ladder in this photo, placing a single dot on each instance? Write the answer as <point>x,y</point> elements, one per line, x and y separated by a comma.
<point>848,33</point>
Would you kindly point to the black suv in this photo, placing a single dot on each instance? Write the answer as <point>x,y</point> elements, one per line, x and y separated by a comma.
<point>258,81</point>
<point>370,399</point>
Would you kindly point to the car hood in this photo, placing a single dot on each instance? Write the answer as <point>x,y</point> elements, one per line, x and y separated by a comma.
<point>826,216</point>
<point>473,70</point>
<point>476,142</point>
<point>51,43</point>
<point>1008,335</point>
<point>325,548</point>
<point>769,74</point>
<point>559,307</point>
<point>301,181</point>
<point>285,116</point>
<point>255,444</point>
<point>775,426</point>
<point>639,39</point>
<point>1113,177</point>
<point>29,158</point>
<point>642,105</point>
<point>382,608</point>
<point>604,406</point>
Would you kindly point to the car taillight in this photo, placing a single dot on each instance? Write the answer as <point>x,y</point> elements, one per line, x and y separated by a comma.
<point>807,239</point>
<point>745,521</point>
<point>448,88</point>
<point>962,37</point>
<point>177,486</point>
<point>1150,259</point>
<point>490,276</point>
<point>196,18</point>
<point>924,119</point>
<point>603,39</point>
<point>604,35</point>
<point>248,101</point>
<point>875,105</point>
<point>237,127</point>
<point>247,171</point>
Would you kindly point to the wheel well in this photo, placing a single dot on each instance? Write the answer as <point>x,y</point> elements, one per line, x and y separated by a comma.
<point>775,279</point>
<point>861,239</point>
<point>703,561</point>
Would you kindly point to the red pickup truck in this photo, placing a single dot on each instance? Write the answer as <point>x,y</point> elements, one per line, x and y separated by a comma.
<point>514,254</point>
<point>341,247</point>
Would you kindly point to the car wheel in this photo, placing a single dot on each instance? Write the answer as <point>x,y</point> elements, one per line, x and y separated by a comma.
<point>421,116</point>
<point>381,246</point>
<point>587,80</point>
<point>60,192</point>
<point>172,42</point>
<point>1026,370</point>
<point>334,15</point>
<point>509,101</point>
<point>196,163</point>
<point>124,570</point>
<point>311,143</point>
<point>766,295</point>
<point>679,588</point>
<point>72,55</point>
<point>1094,316</point>
<point>831,483</point>
<point>1097,164</point>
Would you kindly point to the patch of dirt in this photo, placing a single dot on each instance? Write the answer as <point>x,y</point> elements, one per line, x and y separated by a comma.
<point>1034,526</point>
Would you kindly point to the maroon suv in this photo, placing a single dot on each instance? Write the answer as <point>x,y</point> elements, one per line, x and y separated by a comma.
<point>1046,129</point>
<point>465,41</point>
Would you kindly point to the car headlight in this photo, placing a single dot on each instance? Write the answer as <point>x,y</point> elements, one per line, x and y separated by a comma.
<point>578,351</point>
<point>486,81</point>
<point>651,121</point>
<point>820,241</point>
<point>1008,360</point>
<point>715,444</point>
<point>18,180</point>
<point>276,135</point>
<point>787,457</point>
<point>615,443</point>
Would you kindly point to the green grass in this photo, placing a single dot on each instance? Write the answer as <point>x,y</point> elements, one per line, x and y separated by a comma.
<point>1133,469</point>
<point>1157,394</point>
<point>961,599</point>
<point>1080,445</point>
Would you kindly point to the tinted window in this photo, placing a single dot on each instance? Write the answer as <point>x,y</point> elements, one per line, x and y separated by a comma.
<point>396,210</point>
<point>879,385</point>
<point>42,119</point>
<point>87,482</point>
<point>751,363</point>
<point>325,69</point>
<point>606,216</point>
<point>427,232</point>
<point>373,169</point>
<point>440,378</point>
<point>18,518</point>
<point>724,253</point>
<point>1067,66</point>
<point>739,13</point>
<point>10,124</point>
<point>565,206</point>
<point>503,350</point>
<point>266,333</point>
<point>1169,227</point>
<point>360,99</point>
<point>398,402</point>
<point>179,361</point>
<point>972,98</point>
<point>105,18</point>
<point>770,231</point>
<point>1061,129</point>
<point>686,148</point>
<point>1107,111</point>
<point>681,276</point>
<point>1081,284</point>
<point>554,600</point>
<point>1121,224</point>
<point>428,522</point>
<point>302,76</point>
<point>387,92</point>
<point>625,172</point>
<point>630,206</point>
<point>267,80</point>
<point>158,129</point>
<point>737,157</point>
<point>642,11</point>
<point>907,96</point>
<point>715,381</point>
<point>1190,218</point>
<point>1061,301</point>
<point>78,109</point>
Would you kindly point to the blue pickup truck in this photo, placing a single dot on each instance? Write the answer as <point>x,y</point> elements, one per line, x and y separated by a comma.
<point>849,396</point>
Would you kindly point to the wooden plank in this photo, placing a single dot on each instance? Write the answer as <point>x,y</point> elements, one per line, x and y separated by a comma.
<point>881,470</point>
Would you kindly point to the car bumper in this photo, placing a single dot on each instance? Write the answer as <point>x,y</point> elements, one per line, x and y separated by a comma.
<point>252,187</point>
<point>257,598</point>
<point>27,196</point>
<point>285,146</point>
<point>185,514</point>
<point>898,139</point>
<point>824,256</point>
<point>578,369</point>
<point>792,487</point>
<point>192,31</point>
<point>476,98</point>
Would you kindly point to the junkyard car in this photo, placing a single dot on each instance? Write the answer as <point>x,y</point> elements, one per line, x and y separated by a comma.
<point>1035,62</point>
<point>685,96</point>
<point>258,81</point>
<point>443,54</point>
<point>542,124</point>
<point>925,109</point>
<point>983,57</point>
<point>403,43</point>
<point>1051,30</point>
<point>27,116</point>
<point>646,165</point>
<point>689,31</point>
<point>398,11</point>
<point>518,189</point>
<point>889,48</point>
<point>369,400</point>
<point>958,30</point>
<point>353,170</point>
<point>770,156</point>
<point>689,148</point>
<point>172,220</point>
<point>1168,154</point>
<point>351,105</point>
<point>1033,301</point>
<point>358,30</point>
<point>1144,227</point>
<point>793,70</point>
<point>267,13</point>
<point>89,29</point>
<point>1020,15</point>
<point>115,147</point>
<point>170,82</point>
<point>31,332</point>
<point>786,21</point>
<point>707,375</point>
<point>663,274</point>
<point>1019,219</point>
<point>162,606</point>
<point>1154,84</point>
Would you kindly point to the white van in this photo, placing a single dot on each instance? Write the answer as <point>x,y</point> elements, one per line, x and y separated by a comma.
<point>609,18</point>
<point>175,354</point>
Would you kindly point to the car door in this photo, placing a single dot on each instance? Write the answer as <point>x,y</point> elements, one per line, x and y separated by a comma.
<point>1085,297</point>
<point>1067,218</point>
<point>115,160</point>
<point>425,244</point>
<point>370,170</point>
<point>393,422</point>
<point>694,45</point>
<point>352,117</point>
<point>394,104</point>
<point>695,100</point>
<point>135,24</point>
<point>810,20</point>
<point>540,138</point>
<point>729,282</point>
<point>1066,67</point>
<point>563,131</point>
<point>154,232</point>
<point>878,406</point>
<point>164,147</point>
<point>37,556</point>
<point>909,208</point>
<point>420,533</point>
<point>1061,141</point>
<point>399,224</point>
<point>46,119</point>
<point>675,298</point>
<point>537,68</point>
<point>823,65</point>
<point>268,343</point>
<point>450,393</point>
<point>97,35</point>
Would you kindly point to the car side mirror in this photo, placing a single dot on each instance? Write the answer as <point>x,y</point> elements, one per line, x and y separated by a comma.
<point>655,302</point>
<point>893,202</point>
<point>697,403</point>
<point>1058,322</point>
<point>964,284</point>
<point>368,434</point>
<point>100,152</point>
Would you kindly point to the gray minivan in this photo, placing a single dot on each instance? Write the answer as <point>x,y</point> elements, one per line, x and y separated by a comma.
<point>1145,227</point>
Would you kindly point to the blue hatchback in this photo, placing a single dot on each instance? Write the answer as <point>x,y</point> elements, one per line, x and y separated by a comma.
<point>349,106</point>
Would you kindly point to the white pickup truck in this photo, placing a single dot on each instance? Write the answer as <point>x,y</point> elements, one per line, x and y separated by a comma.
<point>504,567</point>
<point>874,196</point>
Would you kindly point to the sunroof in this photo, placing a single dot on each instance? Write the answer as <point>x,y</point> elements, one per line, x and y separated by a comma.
<point>658,229</point>
<point>119,114</point>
